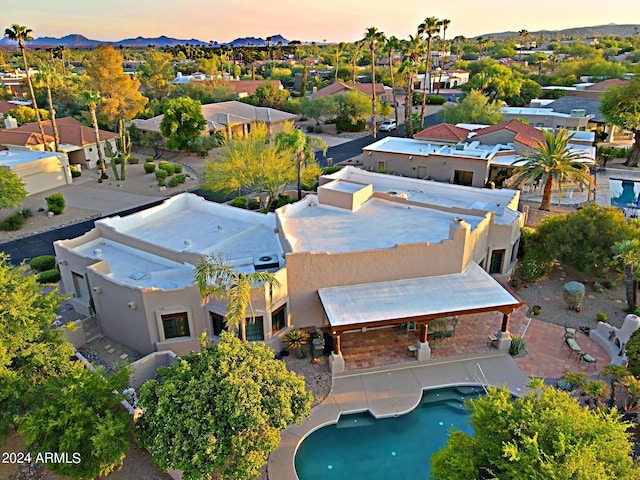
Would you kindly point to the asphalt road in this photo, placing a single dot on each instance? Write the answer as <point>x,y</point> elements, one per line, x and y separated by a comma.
<point>42,243</point>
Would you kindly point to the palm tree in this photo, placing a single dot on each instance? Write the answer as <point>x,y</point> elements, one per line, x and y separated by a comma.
<point>413,49</point>
<point>356,53</point>
<point>215,278</point>
<point>628,252</point>
<point>596,391</point>
<point>445,24</point>
<point>552,161</point>
<point>391,46</point>
<point>23,34</point>
<point>91,99</point>
<point>46,75</point>
<point>429,27</point>
<point>523,35</point>
<point>339,49</point>
<point>301,146</point>
<point>373,36</point>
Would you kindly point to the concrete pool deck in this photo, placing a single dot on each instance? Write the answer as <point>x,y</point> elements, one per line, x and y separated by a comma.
<point>391,391</point>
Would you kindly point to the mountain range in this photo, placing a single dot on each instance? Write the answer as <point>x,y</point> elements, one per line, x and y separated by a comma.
<point>80,41</point>
<point>578,32</point>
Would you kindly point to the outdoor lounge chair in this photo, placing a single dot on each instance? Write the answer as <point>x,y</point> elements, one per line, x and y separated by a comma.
<point>588,361</point>
<point>573,346</point>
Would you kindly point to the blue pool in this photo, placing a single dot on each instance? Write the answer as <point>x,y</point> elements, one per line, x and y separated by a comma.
<point>359,447</point>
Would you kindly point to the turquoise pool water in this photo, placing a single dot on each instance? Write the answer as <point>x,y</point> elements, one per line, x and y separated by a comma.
<point>360,447</point>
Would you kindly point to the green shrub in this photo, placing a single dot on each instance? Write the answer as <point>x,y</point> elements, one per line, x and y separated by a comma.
<point>43,263</point>
<point>317,129</point>
<point>573,293</point>
<point>75,173</point>
<point>296,340</point>
<point>598,287</point>
<point>310,128</point>
<point>49,276</point>
<point>330,170</point>
<point>536,262</point>
<point>181,178</point>
<point>240,202</point>
<point>633,353</point>
<point>55,203</point>
<point>12,223</point>
<point>602,317</point>
<point>517,345</point>
<point>167,167</point>
<point>344,125</point>
<point>253,204</point>
<point>25,213</point>
<point>282,201</point>
<point>149,167</point>
<point>161,176</point>
<point>133,160</point>
<point>177,167</point>
<point>149,159</point>
<point>117,160</point>
<point>435,100</point>
<point>174,182</point>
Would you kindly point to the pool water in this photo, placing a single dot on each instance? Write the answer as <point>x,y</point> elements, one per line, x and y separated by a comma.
<point>359,447</point>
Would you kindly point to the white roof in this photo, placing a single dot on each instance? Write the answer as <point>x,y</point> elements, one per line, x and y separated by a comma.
<point>410,146</point>
<point>313,227</point>
<point>473,289</point>
<point>12,158</point>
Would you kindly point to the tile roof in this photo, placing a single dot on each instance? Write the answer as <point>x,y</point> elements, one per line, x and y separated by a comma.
<point>6,106</point>
<point>443,131</point>
<point>15,137</point>
<point>249,86</point>
<point>603,85</point>
<point>339,87</point>
<point>525,134</point>
<point>72,131</point>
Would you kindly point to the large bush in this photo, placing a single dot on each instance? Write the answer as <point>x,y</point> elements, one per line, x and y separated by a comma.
<point>149,167</point>
<point>536,262</point>
<point>49,276</point>
<point>633,353</point>
<point>55,203</point>
<point>42,263</point>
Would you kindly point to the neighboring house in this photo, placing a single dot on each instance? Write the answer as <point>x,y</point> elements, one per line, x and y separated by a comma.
<point>76,139</point>
<point>246,88</point>
<point>368,249</point>
<point>576,119</point>
<point>39,171</point>
<point>594,90</point>
<point>441,79</point>
<point>194,77</point>
<point>440,153</point>
<point>229,118</point>
<point>383,93</point>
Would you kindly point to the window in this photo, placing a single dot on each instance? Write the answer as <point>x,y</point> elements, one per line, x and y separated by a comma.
<point>175,325</point>
<point>496,261</point>
<point>219,325</point>
<point>278,319</point>
<point>254,329</point>
<point>79,285</point>
<point>381,165</point>
<point>462,177</point>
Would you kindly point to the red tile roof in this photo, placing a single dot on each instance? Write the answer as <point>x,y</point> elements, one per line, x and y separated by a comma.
<point>14,137</point>
<point>249,86</point>
<point>603,85</point>
<point>72,131</point>
<point>339,87</point>
<point>525,134</point>
<point>6,106</point>
<point>444,131</point>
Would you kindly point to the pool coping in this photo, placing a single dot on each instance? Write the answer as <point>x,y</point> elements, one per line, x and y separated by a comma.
<point>393,391</point>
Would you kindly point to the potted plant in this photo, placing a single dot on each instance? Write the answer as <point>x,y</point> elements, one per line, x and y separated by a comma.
<point>536,309</point>
<point>296,339</point>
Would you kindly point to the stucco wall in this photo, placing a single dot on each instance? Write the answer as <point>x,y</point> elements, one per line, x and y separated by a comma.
<point>44,174</point>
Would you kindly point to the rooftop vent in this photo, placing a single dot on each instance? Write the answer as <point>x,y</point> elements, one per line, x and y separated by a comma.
<point>460,146</point>
<point>267,261</point>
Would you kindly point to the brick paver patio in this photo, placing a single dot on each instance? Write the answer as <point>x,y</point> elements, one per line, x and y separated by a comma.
<point>547,354</point>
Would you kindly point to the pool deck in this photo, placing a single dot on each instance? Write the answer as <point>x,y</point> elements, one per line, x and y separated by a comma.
<point>391,391</point>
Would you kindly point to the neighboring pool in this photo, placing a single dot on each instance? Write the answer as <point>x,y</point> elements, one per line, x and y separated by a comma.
<point>359,447</point>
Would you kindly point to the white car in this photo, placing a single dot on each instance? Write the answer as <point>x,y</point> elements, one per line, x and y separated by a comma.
<point>387,125</point>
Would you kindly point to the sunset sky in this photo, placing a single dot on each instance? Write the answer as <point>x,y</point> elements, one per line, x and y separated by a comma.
<point>330,20</point>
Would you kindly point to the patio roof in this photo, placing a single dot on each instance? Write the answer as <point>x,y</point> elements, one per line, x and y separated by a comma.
<point>415,299</point>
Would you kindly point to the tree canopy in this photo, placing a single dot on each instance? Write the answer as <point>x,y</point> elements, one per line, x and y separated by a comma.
<point>12,190</point>
<point>156,73</point>
<point>182,122</point>
<point>620,105</point>
<point>475,107</point>
<point>227,405</point>
<point>545,434</point>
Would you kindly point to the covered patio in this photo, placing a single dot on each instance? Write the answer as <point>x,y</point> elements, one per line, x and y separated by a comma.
<point>417,301</point>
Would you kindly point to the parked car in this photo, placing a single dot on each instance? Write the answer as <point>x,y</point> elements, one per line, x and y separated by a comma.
<point>388,125</point>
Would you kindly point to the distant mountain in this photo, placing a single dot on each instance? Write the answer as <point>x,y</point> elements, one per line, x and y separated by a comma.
<point>578,32</point>
<point>80,41</point>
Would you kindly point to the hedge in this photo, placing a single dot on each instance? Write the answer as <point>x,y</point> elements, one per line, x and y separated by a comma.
<point>55,203</point>
<point>42,263</point>
<point>149,167</point>
<point>49,276</point>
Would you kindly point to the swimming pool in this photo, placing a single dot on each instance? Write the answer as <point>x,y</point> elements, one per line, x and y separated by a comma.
<point>360,447</point>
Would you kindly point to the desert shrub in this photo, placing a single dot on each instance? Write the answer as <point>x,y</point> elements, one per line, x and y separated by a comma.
<point>12,223</point>
<point>174,182</point>
<point>149,167</point>
<point>117,160</point>
<point>344,125</point>
<point>49,276</point>
<point>75,173</point>
<point>296,340</point>
<point>149,159</point>
<point>25,213</point>
<point>436,100</point>
<point>536,262</point>
<point>633,353</point>
<point>517,345</point>
<point>330,170</point>
<point>602,317</point>
<point>161,176</point>
<point>181,178</point>
<point>42,263</point>
<point>317,129</point>
<point>598,287</point>
<point>310,128</point>
<point>55,203</point>
<point>240,202</point>
<point>167,167</point>
<point>133,160</point>
<point>253,204</point>
<point>177,167</point>
<point>573,293</point>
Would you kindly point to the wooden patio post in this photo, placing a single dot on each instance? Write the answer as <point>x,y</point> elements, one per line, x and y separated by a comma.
<point>336,345</point>
<point>505,323</point>
<point>424,329</point>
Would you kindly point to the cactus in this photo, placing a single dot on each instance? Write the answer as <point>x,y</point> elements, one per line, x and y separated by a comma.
<point>123,145</point>
<point>111,155</point>
<point>573,295</point>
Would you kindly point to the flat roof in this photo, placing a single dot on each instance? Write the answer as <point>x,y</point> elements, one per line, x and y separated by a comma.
<point>136,268</point>
<point>13,158</point>
<point>410,146</point>
<point>188,222</point>
<point>377,224</point>
<point>458,293</point>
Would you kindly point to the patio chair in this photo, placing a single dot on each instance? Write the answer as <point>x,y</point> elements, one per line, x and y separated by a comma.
<point>569,331</point>
<point>573,346</point>
<point>588,361</point>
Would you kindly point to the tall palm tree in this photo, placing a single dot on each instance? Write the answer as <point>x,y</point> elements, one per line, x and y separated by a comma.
<point>392,45</point>
<point>46,76</point>
<point>356,53</point>
<point>523,35</point>
<point>339,49</point>
<point>628,252</point>
<point>301,146</point>
<point>215,278</point>
<point>373,36</point>
<point>91,99</point>
<point>552,161</point>
<point>23,34</point>
<point>445,24</point>
<point>429,27</point>
<point>412,51</point>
